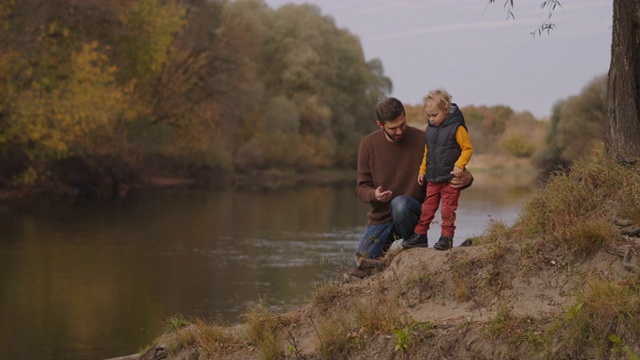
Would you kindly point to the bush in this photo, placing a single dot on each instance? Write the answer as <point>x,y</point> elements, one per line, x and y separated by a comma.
<point>518,145</point>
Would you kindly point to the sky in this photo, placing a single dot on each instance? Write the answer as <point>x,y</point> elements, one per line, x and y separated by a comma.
<point>476,52</point>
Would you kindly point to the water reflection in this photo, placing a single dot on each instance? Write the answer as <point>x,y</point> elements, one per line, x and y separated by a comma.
<point>97,280</point>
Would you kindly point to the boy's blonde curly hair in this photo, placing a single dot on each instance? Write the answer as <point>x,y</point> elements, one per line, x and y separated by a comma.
<point>440,96</point>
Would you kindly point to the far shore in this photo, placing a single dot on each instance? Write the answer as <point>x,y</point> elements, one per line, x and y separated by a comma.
<point>267,180</point>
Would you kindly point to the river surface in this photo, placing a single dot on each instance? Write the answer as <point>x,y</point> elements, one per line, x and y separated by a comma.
<point>92,280</point>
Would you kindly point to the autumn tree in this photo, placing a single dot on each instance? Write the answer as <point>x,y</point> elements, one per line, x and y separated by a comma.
<point>307,62</point>
<point>63,97</point>
<point>577,125</point>
<point>196,95</point>
<point>487,125</point>
<point>115,90</point>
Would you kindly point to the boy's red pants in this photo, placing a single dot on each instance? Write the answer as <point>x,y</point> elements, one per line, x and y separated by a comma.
<point>436,193</point>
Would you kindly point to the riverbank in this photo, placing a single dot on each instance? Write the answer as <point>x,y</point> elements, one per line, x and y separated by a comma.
<point>561,283</point>
<point>107,189</point>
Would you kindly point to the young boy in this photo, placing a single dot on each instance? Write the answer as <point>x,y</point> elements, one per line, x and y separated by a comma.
<point>446,154</point>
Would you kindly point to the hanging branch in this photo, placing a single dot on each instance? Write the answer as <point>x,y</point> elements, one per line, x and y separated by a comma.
<point>546,25</point>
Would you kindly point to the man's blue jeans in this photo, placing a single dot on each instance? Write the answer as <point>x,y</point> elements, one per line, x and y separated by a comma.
<point>376,239</point>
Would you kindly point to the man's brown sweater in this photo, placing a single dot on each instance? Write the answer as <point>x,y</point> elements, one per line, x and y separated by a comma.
<point>392,165</point>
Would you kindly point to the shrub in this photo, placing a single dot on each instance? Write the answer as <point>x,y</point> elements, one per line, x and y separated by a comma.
<point>517,145</point>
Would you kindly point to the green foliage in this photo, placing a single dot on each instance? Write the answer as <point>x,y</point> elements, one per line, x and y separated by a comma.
<point>320,67</point>
<point>412,333</point>
<point>600,319</point>
<point>176,323</point>
<point>576,127</point>
<point>316,117</point>
<point>280,116</point>
<point>150,26</point>
<point>403,337</point>
<point>620,347</point>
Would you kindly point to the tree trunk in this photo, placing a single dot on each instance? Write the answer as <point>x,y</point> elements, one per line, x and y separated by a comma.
<point>622,140</point>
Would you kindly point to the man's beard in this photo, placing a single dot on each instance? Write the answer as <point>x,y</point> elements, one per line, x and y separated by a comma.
<point>392,138</point>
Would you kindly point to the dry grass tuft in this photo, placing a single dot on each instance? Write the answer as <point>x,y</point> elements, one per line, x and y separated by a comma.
<point>575,211</point>
<point>264,327</point>
<point>196,336</point>
<point>479,277</point>
<point>324,293</point>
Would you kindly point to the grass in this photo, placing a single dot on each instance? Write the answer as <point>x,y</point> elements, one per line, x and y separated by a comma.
<point>415,332</point>
<point>209,339</point>
<point>572,217</point>
<point>515,337</point>
<point>338,336</point>
<point>176,323</point>
<point>478,277</point>
<point>604,310</point>
<point>575,210</point>
<point>355,321</point>
<point>213,341</point>
<point>264,327</point>
<point>496,231</point>
<point>324,292</point>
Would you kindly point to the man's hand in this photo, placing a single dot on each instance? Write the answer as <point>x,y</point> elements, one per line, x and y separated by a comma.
<point>463,181</point>
<point>383,195</point>
<point>421,179</point>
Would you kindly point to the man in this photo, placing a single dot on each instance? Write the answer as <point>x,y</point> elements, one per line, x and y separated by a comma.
<point>388,163</point>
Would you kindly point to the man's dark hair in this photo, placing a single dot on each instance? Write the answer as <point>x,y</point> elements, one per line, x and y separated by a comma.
<point>389,109</point>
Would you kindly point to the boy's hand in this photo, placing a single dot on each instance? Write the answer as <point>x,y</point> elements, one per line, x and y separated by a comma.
<point>421,179</point>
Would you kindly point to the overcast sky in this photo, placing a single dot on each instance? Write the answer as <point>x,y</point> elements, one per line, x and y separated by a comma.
<point>470,48</point>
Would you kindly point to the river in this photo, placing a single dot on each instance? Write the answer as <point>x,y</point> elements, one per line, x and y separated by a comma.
<point>94,280</point>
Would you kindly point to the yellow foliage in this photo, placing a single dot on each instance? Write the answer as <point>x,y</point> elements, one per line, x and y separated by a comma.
<point>316,152</point>
<point>154,26</point>
<point>61,121</point>
<point>5,10</point>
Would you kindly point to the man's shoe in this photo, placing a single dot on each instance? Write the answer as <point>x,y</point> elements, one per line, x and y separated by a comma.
<point>417,240</point>
<point>444,243</point>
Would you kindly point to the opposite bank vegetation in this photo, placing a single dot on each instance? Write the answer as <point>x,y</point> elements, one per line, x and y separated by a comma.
<point>103,98</point>
<point>576,241</point>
